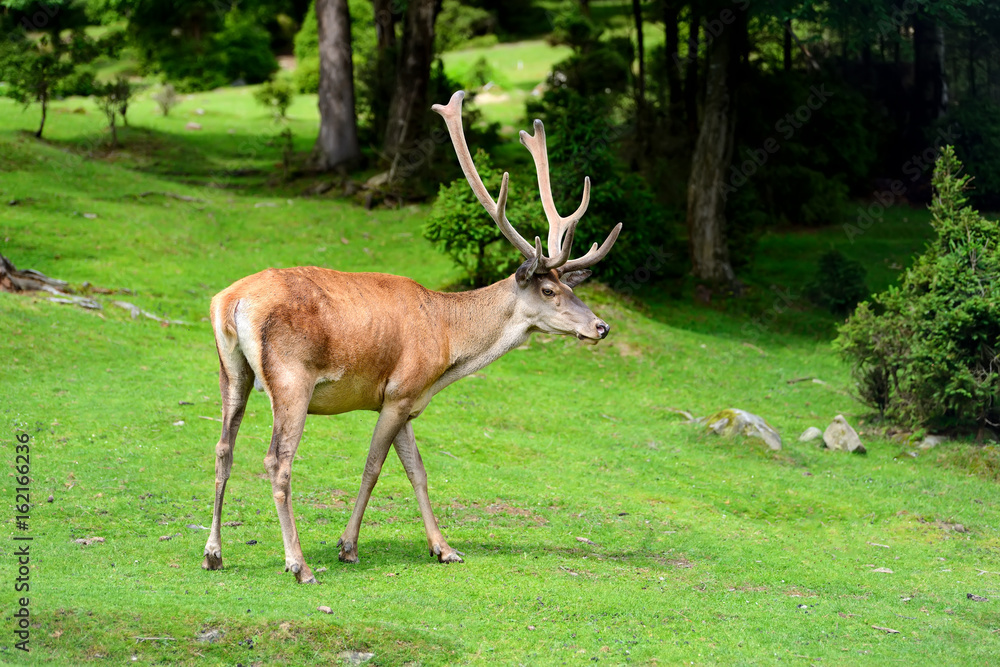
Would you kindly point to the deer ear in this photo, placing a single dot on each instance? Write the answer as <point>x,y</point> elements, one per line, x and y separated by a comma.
<point>525,271</point>
<point>574,278</point>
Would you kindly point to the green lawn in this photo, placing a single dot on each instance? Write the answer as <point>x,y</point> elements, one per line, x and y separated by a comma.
<point>519,66</point>
<point>597,526</point>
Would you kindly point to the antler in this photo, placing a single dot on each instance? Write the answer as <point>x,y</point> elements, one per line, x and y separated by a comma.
<point>452,114</point>
<point>561,229</point>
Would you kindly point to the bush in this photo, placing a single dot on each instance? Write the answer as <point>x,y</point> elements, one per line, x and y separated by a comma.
<point>166,98</point>
<point>277,95</point>
<point>976,126</point>
<point>461,228</point>
<point>458,23</point>
<point>244,50</point>
<point>582,142</point>
<point>839,284</point>
<point>80,82</point>
<point>926,352</point>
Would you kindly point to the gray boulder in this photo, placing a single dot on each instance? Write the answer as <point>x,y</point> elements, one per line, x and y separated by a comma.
<point>839,436</point>
<point>810,434</point>
<point>732,422</point>
<point>932,441</point>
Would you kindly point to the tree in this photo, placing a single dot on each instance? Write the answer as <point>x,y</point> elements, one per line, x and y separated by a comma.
<point>407,110</point>
<point>337,143</point>
<point>706,218</point>
<point>32,69</point>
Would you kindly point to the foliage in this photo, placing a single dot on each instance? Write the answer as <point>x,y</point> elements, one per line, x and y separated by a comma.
<point>199,44</point>
<point>166,98</point>
<point>113,99</point>
<point>839,283</point>
<point>363,47</point>
<point>926,352</point>
<point>460,227</point>
<point>80,82</point>
<point>975,126</point>
<point>33,70</point>
<point>550,443</point>
<point>582,144</point>
<point>803,157</point>
<point>457,23</point>
<point>277,95</point>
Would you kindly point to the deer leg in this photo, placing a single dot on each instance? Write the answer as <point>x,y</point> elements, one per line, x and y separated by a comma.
<point>406,449</point>
<point>235,384</point>
<point>390,420</point>
<point>289,421</point>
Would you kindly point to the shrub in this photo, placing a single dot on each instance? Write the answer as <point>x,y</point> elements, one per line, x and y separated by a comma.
<point>113,98</point>
<point>461,228</point>
<point>244,50</point>
<point>458,23</point>
<point>926,352</point>
<point>166,98</point>
<point>277,95</point>
<point>582,143</point>
<point>839,283</point>
<point>80,82</point>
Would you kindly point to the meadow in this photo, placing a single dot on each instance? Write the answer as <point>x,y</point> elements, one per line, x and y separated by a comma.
<point>597,525</point>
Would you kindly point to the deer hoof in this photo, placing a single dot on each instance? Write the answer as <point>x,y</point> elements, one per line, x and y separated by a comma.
<point>213,560</point>
<point>447,554</point>
<point>348,551</point>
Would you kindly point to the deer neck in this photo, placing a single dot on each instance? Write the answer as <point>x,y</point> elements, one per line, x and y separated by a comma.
<point>483,325</point>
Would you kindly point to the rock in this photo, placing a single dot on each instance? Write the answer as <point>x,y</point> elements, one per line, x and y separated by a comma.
<point>355,657</point>
<point>839,436</point>
<point>810,434</point>
<point>931,441</point>
<point>378,180</point>
<point>324,609</point>
<point>733,421</point>
<point>209,636</point>
<point>193,126</point>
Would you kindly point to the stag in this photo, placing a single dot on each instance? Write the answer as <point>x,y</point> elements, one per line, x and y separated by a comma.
<point>319,341</point>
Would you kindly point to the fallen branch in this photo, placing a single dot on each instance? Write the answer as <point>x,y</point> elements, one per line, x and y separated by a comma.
<point>172,195</point>
<point>28,280</point>
<point>136,311</point>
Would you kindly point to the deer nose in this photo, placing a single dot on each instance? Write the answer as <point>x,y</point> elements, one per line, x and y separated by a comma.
<point>602,329</point>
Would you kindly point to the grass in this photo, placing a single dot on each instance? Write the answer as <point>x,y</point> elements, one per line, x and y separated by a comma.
<point>597,526</point>
<point>519,68</point>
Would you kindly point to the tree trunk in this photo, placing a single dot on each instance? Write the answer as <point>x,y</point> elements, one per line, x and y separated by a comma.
<point>706,219</point>
<point>972,61</point>
<point>385,24</point>
<point>44,99</point>
<point>786,45</point>
<point>408,108</point>
<point>930,100</point>
<point>671,11</point>
<point>337,143</point>
<point>641,87</point>
<point>691,76</point>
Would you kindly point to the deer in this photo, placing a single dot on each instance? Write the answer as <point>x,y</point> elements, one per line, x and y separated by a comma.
<point>320,341</point>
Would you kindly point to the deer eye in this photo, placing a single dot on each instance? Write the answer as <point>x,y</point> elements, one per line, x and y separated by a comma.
<point>547,292</point>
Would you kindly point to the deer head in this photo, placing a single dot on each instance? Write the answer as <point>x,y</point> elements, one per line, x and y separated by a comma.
<point>544,282</point>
